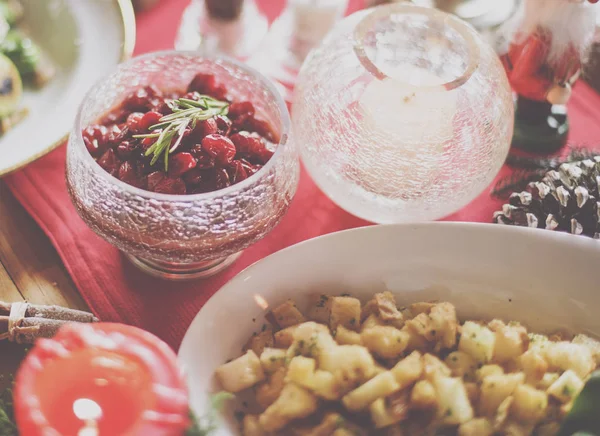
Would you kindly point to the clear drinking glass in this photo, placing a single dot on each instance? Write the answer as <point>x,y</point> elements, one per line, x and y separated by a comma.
<point>182,236</point>
<point>403,113</point>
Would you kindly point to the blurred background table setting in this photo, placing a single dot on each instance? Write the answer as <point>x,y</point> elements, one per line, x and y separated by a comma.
<point>399,112</point>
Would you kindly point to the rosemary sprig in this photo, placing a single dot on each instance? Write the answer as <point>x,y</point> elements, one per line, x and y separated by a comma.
<point>186,113</point>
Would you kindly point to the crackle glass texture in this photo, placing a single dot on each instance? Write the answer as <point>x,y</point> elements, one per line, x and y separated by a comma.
<point>403,114</point>
<point>180,228</point>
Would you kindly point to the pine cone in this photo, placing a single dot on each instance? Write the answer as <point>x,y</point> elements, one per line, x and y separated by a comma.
<point>564,200</point>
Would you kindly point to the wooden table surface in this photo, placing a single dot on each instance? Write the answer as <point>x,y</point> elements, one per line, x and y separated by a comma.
<point>30,269</point>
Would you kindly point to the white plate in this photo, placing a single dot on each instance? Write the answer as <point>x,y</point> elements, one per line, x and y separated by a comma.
<point>546,280</point>
<point>85,39</point>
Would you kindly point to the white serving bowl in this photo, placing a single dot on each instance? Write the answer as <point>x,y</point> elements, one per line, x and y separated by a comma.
<point>545,280</point>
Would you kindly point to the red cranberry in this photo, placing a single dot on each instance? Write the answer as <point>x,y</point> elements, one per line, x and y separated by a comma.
<point>154,179</point>
<point>261,127</point>
<point>203,83</point>
<point>241,109</point>
<point>221,179</point>
<point>171,185</point>
<point>126,149</point>
<point>249,167</point>
<point>149,119</point>
<point>193,177</point>
<point>264,155</point>
<point>181,163</point>
<point>96,132</point>
<point>147,142</point>
<point>109,162</point>
<point>247,143</point>
<point>138,100</point>
<point>193,95</point>
<point>128,174</point>
<point>219,93</point>
<point>205,128</point>
<point>134,122</point>
<point>115,135</point>
<point>220,147</point>
<point>204,160</point>
<point>236,172</point>
<point>223,125</point>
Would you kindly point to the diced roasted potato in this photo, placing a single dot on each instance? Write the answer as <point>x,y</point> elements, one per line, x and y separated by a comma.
<point>387,310</point>
<point>302,371</point>
<point>269,390</point>
<point>384,416</point>
<point>311,339</point>
<point>319,308</point>
<point>533,365</point>
<point>461,365</point>
<point>476,427</point>
<point>421,307</point>
<point>566,355</point>
<point>287,314</point>
<point>343,336</point>
<point>512,428</point>
<point>472,392</point>
<point>293,403</point>
<point>284,338</point>
<point>386,342</point>
<point>416,342</point>
<point>272,358</point>
<point>423,396</point>
<point>251,426</point>
<point>496,388</point>
<point>566,387</point>
<point>444,324</point>
<point>477,341</point>
<point>423,326</point>
<point>345,311</point>
<point>379,386</point>
<point>547,380</point>
<point>350,365</point>
<point>511,341</point>
<point>592,344</point>
<point>432,367</point>
<point>454,406</point>
<point>258,341</point>
<point>241,373</point>
<point>486,370</point>
<point>371,321</point>
<point>529,404</point>
<point>408,370</point>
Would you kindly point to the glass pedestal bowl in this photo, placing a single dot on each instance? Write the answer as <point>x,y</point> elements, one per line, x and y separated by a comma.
<point>182,236</point>
<point>403,113</point>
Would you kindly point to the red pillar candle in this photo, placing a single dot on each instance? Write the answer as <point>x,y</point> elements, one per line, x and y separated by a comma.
<point>101,379</point>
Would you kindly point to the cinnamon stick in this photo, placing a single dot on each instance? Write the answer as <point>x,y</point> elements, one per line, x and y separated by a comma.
<point>30,329</point>
<point>50,312</point>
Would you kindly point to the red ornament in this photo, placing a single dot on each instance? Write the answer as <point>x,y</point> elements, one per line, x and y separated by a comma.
<point>110,378</point>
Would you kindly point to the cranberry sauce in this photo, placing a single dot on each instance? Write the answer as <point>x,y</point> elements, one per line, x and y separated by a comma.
<point>143,143</point>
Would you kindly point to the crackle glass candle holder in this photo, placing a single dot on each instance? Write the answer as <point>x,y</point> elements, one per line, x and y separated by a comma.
<point>182,236</point>
<point>403,114</point>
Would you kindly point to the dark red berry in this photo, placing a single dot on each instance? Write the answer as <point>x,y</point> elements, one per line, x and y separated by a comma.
<point>203,83</point>
<point>193,95</point>
<point>181,163</point>
<point>154,179</point>
<point>247,143</point>
<point>109,162</point>
<point>223,125</point>
<point>220,147</point>
<point>242,109</point>
<point>205,128</point>
<point>96,132</point>
<point>126,149</point>
<point>236,172</point>
<point>149,119</point>
<point>219,93</point>
<point>264,155</point>
<point>128,174</point>
<point>147,142</point>
<point>138,100</point>
<point>262,128</point>
<point>221,179</point>
<point>170,185</point>
<point>134,122</point>
<point>204,161</point>
<point>193,177</point>
<point>115,135</point>
<point>250,168</point>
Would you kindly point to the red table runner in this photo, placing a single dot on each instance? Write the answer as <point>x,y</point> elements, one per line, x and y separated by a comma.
<point>116,291</point>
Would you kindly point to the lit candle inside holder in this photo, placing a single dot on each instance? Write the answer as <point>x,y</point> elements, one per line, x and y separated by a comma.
<point>101,380</point>
<point>408,118</point>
